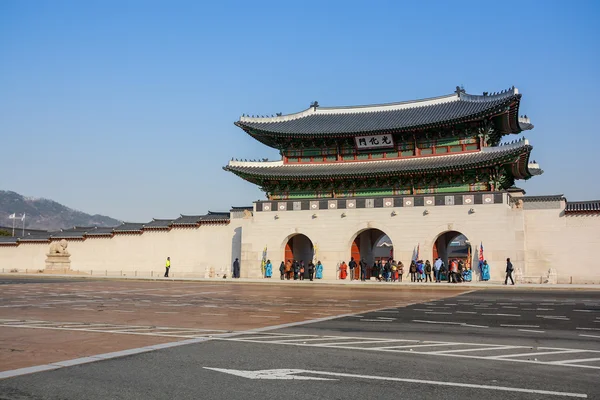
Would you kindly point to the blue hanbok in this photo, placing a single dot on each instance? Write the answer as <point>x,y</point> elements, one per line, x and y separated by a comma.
<point>319,270</point>
<point>268,270</point>
<point>467,275</point>
<point>485,272</point>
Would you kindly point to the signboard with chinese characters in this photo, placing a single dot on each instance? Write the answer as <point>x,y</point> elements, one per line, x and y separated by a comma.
<point>374,142</point>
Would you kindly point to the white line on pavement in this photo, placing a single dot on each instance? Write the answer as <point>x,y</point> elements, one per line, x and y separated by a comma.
<point>539,353</point>
<point>530,330</point>
<point>576,360</point>
<point>520,326</point>
<point>594,336</point>
<point>504,315</point>
<point>475,349</point>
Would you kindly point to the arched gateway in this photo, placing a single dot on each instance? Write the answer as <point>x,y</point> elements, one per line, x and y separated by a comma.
<point>371,245</point>
<point>452,245</point>
<point>298,247</point>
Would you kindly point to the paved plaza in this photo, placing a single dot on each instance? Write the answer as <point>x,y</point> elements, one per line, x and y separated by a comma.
<point>64,338</point>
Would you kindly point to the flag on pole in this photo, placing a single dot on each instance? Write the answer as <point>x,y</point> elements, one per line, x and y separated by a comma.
<point>263,263</point>
<point>12,216</point>
<point>481,257</point>
<point>23,217</point>
<point>315,253</point>
<point>416,253</point>
<point>469,257</point>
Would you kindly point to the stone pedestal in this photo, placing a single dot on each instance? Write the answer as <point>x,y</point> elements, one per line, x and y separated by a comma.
<point>58,262</point>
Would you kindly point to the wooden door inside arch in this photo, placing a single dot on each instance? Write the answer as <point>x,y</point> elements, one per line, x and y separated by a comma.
<point>289,254</point>
<point>355,253</point>
<point>435,250</point>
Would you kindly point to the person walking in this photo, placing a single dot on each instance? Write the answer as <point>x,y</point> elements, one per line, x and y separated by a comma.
<point>413,271</point>
<point>268,269</point>
<point>167,267</point>
<point>236,268</point>
<point>509,270</point>
<point>400,271</point>
<point>282,270</point>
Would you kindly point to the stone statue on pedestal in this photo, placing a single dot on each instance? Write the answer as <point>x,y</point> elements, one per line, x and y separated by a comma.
<point>58,256</point>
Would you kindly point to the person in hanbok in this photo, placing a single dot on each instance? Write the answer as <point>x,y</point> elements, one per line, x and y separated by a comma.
<point>467,274</point>
<point>319,269</point>
<point>485,271</point>
<point>268,269</point>
<point>343,270</point>
<point>420,272</point>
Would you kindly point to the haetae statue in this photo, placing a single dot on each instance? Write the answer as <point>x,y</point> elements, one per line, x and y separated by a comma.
<point>59,248</point>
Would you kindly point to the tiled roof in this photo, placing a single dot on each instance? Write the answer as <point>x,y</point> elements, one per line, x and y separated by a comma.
<point>100,232</point>
<point>129,227</point>
<point>187,220</point>
<point>39,237</point>
<point>67,234</point>
<point>8,239</point>
<point>215,216</point>
<point>487,156</point>
<point>250,208</point>
<point>434,112</point>
<point>158,224</point>
<point>592,206</point>
<point>552,197</point>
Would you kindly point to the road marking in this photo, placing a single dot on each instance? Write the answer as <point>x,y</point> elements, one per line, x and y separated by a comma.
<point>376,320</point>
<point>438,312</point>
<point>292,374</point>
<point>589,329</point>
<point>504,315</point>
<point>465,312</point>
<point>594,336</point>
<point>540,353</point>
<point>475,349</point>
<point>530,330</point>
<point>562,362</point>
<point>520,326</point>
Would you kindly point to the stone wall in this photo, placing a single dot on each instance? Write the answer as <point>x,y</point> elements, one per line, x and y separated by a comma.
<point>536,236</point>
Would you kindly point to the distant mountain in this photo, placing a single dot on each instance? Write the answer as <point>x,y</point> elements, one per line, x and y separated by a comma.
<point>46,214</point>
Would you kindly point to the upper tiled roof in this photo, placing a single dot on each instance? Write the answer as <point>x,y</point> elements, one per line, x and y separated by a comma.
<point>187,220</point>
<point>129,227</point>
<point>100,232</point>
<point>158,224</point>
<point>433,112</point>
<point>592,206</point>
<point>550,197</point>
<point>487,156</point>
<point>39,237</point>
<point>8,239</point>
<point>67,234</point>
<point>215,216</point>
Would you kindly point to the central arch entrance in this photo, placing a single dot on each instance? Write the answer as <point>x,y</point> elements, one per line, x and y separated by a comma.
<point>299,247</point>
<point>372,245</point>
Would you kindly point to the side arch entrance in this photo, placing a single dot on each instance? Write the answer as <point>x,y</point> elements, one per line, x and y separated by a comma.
<point>372,245</point>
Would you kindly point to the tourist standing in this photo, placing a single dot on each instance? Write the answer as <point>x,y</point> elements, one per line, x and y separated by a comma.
<point>352,265</point>
<point>288,269</point>
<point>167,267</point>
<point>413,271</point>
<point>236,268</point>
<point>485,271</point>
<point>509,270</point>
<point>268,269</point>
<point>302,270</point>
<point>282,270</point>
<point>296,266</point>
<point>427,271</point>
<point>400,271</point>
<point>363,270</point>
<point>319,269</point>
<point>311,270</point>
<point>436,269</point>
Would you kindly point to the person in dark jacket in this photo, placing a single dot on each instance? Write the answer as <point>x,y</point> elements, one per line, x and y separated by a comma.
<point>352,265</point>
<point>311,270</point>
<point>282,270</point>
<point>509,270</point>
<point>363,270</point>
<point>236,268</point>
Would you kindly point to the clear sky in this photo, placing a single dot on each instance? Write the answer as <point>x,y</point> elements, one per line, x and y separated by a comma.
<point>126,108</point>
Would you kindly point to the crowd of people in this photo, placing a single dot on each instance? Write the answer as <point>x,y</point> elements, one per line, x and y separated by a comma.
<point>389,271</point>
<point>296,270</point>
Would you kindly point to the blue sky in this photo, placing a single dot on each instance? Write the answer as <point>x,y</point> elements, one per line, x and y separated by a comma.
<point>126,108</point>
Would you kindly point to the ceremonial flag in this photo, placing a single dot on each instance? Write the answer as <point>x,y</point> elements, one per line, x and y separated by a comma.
<point>469,258</point>
<point>315,253</point>
<point>263,264</point>
<point>481,257</point>
<point>416,253</point>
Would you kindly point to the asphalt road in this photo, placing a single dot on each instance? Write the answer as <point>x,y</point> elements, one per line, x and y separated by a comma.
<point>492,344</point>
<point>18,280</point>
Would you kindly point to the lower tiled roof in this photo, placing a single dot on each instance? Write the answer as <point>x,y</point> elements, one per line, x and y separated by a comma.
<point>487,156</point>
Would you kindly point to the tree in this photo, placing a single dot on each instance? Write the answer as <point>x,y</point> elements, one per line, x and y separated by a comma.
<point>5,233</point>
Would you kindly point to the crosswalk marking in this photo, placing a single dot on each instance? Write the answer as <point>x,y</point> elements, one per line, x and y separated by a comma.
<point>486,351</point>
